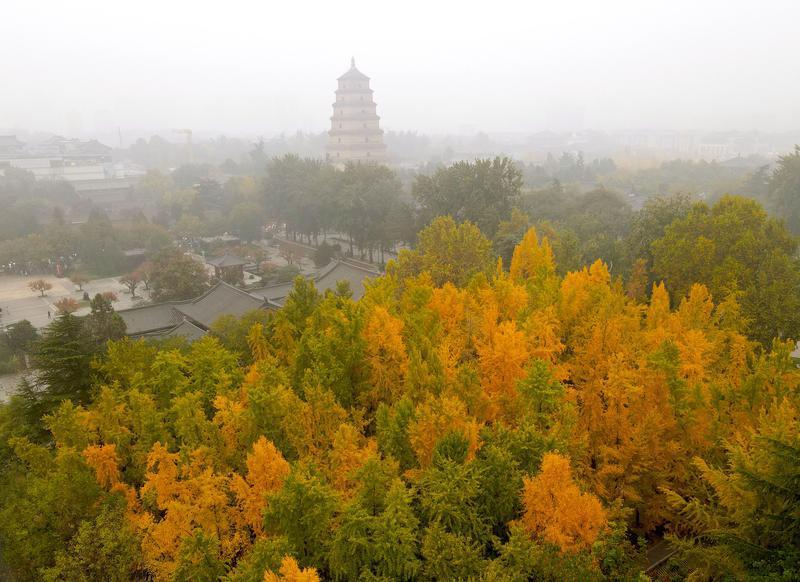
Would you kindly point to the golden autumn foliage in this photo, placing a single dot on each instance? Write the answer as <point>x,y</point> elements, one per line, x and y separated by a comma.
<point>266,471</point>
<point>386,355</point>
<point>103,459</point>
<point>532,259</point>
<point>557,510</point>
<point>414,434</point>
<point>437,417</point>
<point>291,572</point>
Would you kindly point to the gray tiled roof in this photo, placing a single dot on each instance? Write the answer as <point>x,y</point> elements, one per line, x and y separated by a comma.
<point>344,271</point>
<point>187,330</point>
<point>221,299</point>
<point>273,292</point>
<point>325,279</point>
<point>149,318</point>
<point>226,261</point>
<point>190,318</point>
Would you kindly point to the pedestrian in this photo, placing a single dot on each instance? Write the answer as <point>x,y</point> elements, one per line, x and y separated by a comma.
<point>48,314</point>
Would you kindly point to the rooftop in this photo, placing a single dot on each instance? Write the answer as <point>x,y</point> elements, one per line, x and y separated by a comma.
<point>221,299</point>
<point>163,318</point>
<point>186,329</point>
<point>149,318</point>
<point>326,278</point>
<point>226,260</point>
<point>353,74</point>
<point>191,318</point>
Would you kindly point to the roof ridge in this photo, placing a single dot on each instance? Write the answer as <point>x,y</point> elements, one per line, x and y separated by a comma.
<point>186,321</point>
<point>158,304</point>
<point>222,284</point>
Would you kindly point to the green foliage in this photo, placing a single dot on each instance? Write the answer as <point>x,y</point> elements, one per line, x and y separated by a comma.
<point>20,336</point>
<point>266,555</point>
<point>784,190</point>
<point>542,395</point>
<point>176,276</point>
<point>44,499</point>
<point>449,497</point>
<point>198,561</point>
<point>302,511</point>
<point>233,331</point>
<point>63,359</point>
<point>103,323</point>
<point>247,220</point>
<point>449,252</point>
<point>331,350</point>
<point>382,545</point>
<point>323,254</point>
<point>300,303</point>
<point>482,192</point>
<point>450,556</point>
<point>104,548</point>
<point>733,247</point>
<point>650,223</point>
<point>748,523</point>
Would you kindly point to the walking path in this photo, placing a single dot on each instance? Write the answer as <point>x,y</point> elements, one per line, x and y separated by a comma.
<point>18,302</point>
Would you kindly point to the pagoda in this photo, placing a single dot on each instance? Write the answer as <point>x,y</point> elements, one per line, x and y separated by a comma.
<point>355,134</point>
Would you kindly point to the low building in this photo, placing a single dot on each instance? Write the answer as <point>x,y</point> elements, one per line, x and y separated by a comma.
<point>354,273</point>
<point>228,268</point>
<point>193,318</point>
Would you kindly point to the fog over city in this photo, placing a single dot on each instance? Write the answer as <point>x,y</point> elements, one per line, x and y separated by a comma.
<point>252,68</point>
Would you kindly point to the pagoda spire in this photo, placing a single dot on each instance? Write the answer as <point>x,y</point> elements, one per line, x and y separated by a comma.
<point>352,62</point>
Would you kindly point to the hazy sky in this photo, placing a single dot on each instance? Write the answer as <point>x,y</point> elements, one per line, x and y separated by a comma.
<point>437,66</point>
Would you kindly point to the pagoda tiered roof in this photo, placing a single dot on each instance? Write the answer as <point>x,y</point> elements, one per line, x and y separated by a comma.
<point>353,74</point>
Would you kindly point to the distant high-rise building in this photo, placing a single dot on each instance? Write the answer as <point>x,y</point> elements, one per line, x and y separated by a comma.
<point>355,134</point>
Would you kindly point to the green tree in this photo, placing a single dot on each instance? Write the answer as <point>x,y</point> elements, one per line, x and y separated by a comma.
<point>784,190</point>
<point>482,192</point>
<point>734,248</point>
<point>104,548</point>
<point>175,276</point>
<point>382,545</point>
<point>44,498</point>
<point>650,223</point>
<point>20,336</point>
<point>198,559</point>
<point>600,219</point>
<point>296,191</point>
<point>744,522</point>
<point>366,200</point>
<point>63,359</point>
<point>103,323</point>
<point>247,219</point>
<point>449,252</point>
<point>302,511</point>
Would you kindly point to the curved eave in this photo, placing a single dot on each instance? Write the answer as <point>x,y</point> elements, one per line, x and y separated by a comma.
<point>353,75</point>
<point>356,117</point>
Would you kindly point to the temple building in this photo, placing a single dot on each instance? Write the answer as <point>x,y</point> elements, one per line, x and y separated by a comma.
<point>355,134</point>
<point>193,318</point>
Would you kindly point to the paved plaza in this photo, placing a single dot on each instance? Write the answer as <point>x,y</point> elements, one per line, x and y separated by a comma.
<point>18,302</point>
